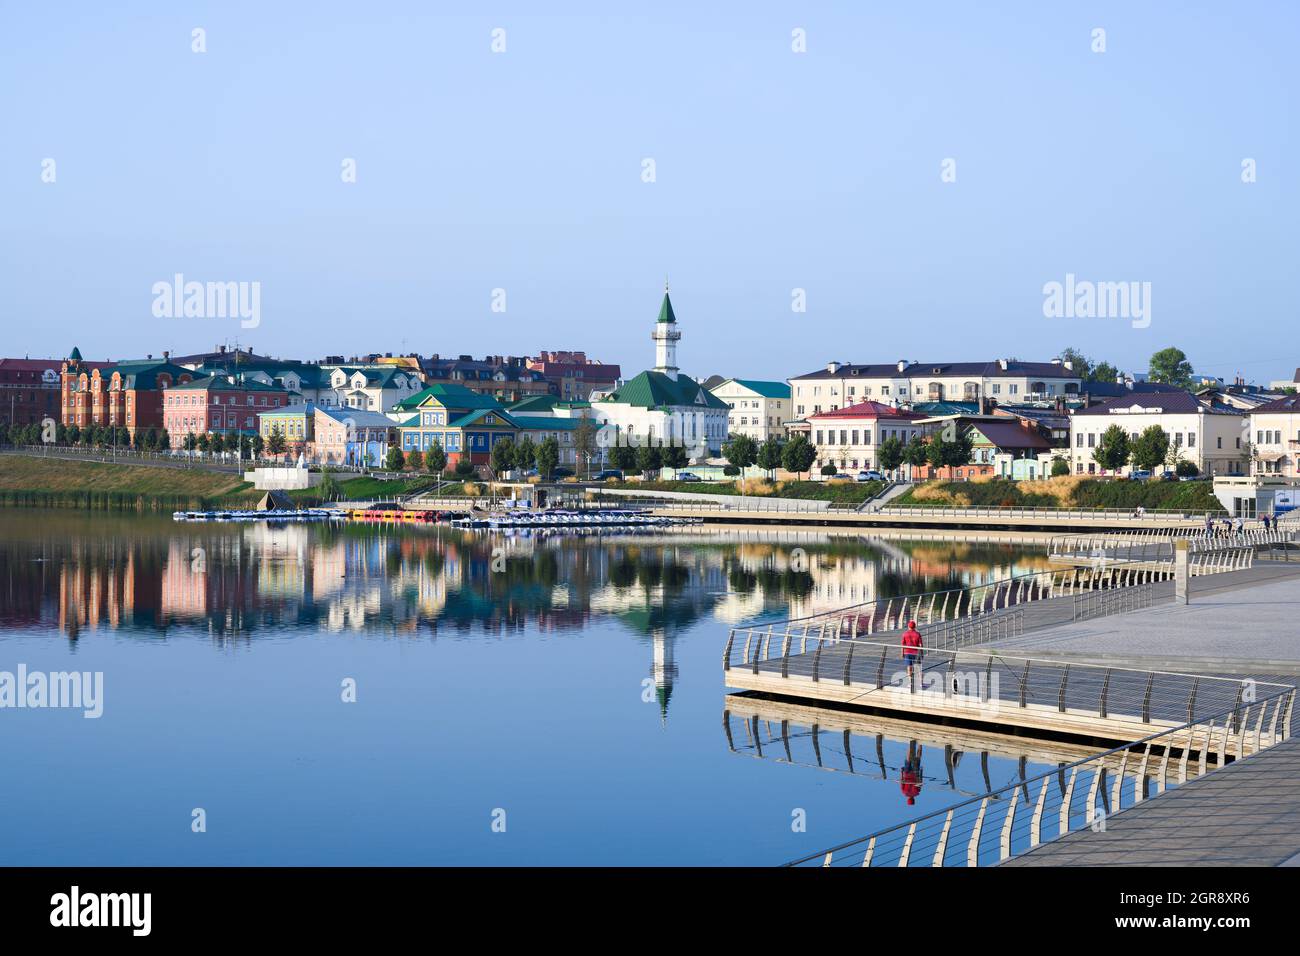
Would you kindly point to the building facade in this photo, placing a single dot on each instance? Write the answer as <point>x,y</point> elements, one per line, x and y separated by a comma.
<point>850,438</point>
<point>121,394</point>
<point>573,375</point>
<point>218,404</point>
<point>30,391</point>
<point>1004,381</point>
<point>1275,438</point>
<point>758,409</point>
<point>1211,439</point>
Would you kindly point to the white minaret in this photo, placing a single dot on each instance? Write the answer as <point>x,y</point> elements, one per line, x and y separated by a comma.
<point>665,337</point>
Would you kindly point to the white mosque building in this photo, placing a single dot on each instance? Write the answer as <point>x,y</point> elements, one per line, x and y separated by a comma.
<point>661,405</point>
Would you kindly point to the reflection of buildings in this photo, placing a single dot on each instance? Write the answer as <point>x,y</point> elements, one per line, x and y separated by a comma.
<point>74,571</point>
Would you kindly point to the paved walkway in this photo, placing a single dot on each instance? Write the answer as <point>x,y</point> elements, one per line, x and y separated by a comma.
<point>1246,617</point>
<point>1247,814</point>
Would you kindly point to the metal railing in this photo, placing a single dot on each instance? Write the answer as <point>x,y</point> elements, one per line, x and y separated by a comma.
<point>1015,511</point>
<point>1087,605</point>
<point>990,828</point>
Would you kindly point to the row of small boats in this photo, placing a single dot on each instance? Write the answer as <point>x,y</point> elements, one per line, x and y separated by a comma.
<point>305,514</point>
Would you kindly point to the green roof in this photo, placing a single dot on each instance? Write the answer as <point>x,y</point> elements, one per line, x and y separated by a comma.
<point>223,381</point>
<point>533,403</point>
<point>74,355</point>
<point>655,390</point>
<point>449,395</point>
<point>474,416</point>
<point>666,310</point>
<point>546,423</point>
<point>765,389</point>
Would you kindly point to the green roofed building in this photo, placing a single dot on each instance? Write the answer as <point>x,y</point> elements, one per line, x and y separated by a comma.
<point>662,405</point>
<point>756,408</point>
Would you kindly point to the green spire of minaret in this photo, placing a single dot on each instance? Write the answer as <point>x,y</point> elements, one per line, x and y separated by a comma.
<point>666,310</point>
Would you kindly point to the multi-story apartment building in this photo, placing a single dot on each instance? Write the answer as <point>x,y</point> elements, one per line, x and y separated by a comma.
<point>573,375</point>
<point>850,438</point>
<point>372,388</point>
<point>507,378</point>
<point>1275,437</point>
<point>118,394</point>
<point>217,403</point>
<point>1005,381</point>
<point>29,391</point>
<point>1210,438</point>
<point>757,409</point>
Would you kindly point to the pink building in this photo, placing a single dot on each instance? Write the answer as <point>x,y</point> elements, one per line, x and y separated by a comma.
<point>218,403</point>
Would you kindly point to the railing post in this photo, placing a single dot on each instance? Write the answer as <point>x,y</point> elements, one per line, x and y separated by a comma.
<point>1146,698</point>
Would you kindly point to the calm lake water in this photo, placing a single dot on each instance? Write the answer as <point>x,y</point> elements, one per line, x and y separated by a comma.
<point>574,683</point>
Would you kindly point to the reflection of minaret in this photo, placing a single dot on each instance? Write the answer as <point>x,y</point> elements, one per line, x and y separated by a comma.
<point>664,671</point>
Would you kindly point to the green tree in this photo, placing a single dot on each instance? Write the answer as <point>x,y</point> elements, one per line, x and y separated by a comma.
<point>503,455</point>
<point>395,459</point>
<point>584,441</point>
<point>829,469</point>
<point>1150,448</point>
<point>525,453</point>
<point>950,452</point>
<point>1171,367</point>
<point>1112,451</point>
<point>275,444</point>
<point>1104,372</point>
<point>916,453</point>
<point>329,486</point>
<point>548,456</point>
<point>798,454</point>
<point>415,459</point>
<point>623,457</point>
<point>649,458</point>
<point>741,451</point>
<point>464,467</point>
<point>74,434</point>
<point>435,459</point>
<point>256,445</point>
<point>1059,466</point>
<point>674,457</point>
<point>890,453</point>
<point>205,442</point>
<point>769,455</point>
<point>1079,363</point>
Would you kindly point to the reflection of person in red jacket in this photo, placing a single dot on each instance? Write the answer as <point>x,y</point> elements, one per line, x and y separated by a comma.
<point>910,778</point>
<point>912,649</point>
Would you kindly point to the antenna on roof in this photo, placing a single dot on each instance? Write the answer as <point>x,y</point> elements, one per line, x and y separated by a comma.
<point>665,282</point>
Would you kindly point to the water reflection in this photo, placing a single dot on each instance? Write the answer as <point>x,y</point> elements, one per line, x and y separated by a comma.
<point>923,759</point>
<point>150,577</point>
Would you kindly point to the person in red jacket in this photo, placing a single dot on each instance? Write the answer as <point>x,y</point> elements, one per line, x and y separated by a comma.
<point>913,648</point>
<point>910,777</point>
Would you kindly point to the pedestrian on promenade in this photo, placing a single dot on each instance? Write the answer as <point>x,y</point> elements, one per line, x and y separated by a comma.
<point>1240,524</point>
<point>913,649</point>
<point>1209,524</point>
<point>910,776</point>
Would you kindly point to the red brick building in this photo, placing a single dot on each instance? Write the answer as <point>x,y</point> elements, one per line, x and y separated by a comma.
<point>29,391</point>
<point>218,403</point>
<point>574,375</point>
<point>118,394</point>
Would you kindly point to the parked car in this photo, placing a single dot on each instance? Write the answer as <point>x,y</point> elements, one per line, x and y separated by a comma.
<point>562,473</point>
<point>871,475</point>
<point>609,474</point>
<point>1139,475</point>
<point>1168,476</point>
<point>687,476</point>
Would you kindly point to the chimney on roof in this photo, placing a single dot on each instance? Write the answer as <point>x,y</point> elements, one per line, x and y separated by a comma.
<point>902,364</point>
<point>166,354</point>
<point>149,356</point>
<point>1070,365</point>
<point>1002,364</point>
<point>832,367</point>
<point>221,349</point>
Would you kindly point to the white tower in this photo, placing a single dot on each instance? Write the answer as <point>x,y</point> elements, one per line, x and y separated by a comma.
<point>665,337</point>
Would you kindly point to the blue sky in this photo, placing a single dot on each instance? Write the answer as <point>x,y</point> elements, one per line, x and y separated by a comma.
<point>774,170</point>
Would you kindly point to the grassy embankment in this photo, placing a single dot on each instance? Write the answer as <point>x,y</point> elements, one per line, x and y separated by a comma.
<point>1067,491</point>
<point>837,492</point>
<point>64,483</point>
<point>61,483</point>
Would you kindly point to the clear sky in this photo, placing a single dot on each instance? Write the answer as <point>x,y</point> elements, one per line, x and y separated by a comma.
<point>774,170</point>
